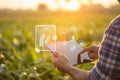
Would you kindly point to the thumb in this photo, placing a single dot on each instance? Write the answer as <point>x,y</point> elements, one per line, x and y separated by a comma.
<point>57,54</point>
<point>83,50</point>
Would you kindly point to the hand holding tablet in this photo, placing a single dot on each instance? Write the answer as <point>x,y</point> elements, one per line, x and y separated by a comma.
<point>71,50</point>
<point>45,40</point>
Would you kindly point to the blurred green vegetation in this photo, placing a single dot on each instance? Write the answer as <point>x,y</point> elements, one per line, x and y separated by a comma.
<point>18,59</point>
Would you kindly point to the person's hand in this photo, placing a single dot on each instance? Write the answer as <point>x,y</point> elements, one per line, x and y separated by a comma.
<point>61,62</point>
<point>92,51</point>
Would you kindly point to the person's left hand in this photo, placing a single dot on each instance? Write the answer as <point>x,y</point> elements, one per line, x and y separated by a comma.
<point>61,62</point>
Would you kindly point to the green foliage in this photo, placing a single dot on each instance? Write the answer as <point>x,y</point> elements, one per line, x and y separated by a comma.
<point>18,60</point>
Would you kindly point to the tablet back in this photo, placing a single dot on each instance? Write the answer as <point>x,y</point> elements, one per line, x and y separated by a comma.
<point>68,48</point>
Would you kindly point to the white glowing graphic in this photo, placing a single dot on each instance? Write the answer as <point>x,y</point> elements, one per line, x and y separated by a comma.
<point>44,40</point>
<point>44,34</point>
<point>54,37</point>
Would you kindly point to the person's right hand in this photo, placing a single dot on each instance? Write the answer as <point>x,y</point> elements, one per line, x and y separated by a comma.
<point>92,51</point>
<point>61,62</point>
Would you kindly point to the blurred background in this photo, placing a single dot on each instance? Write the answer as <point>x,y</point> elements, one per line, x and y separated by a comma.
<point>84,19</point>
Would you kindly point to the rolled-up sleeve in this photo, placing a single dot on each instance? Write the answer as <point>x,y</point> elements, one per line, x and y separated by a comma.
<point>108,66</point>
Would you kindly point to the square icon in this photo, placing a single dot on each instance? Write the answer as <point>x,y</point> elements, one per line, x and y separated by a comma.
<point>45,34</point>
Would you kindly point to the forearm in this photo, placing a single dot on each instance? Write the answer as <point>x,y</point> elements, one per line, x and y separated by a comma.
<point>77,74</point>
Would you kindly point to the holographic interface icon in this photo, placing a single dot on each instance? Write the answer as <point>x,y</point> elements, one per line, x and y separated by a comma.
<point>45,34</point>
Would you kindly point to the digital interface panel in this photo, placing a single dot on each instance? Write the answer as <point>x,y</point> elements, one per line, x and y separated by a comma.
<point>45,34</point>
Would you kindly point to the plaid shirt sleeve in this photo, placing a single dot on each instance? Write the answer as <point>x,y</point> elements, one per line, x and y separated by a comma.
<point>108,66</point>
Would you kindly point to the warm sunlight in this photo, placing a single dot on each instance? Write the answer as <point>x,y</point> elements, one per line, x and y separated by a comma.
<point>71,5</point>
<point>42,39</point>
<point>19,4</point>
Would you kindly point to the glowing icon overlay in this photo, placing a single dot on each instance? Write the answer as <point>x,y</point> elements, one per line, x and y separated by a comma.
<point>45,34</point>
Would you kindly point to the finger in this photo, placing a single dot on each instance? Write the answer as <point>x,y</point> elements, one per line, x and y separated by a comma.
<point>53,53</point>
<point>84,50</point>
<point>56,54</point>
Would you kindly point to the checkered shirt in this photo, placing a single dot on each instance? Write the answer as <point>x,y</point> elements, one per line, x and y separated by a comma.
<point>108,66</point>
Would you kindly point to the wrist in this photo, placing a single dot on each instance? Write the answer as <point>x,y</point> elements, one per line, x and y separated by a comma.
<point>77,74</point>
<point>69,68</point>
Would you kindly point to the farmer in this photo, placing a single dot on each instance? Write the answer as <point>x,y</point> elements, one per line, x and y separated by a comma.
<point>108,53</point>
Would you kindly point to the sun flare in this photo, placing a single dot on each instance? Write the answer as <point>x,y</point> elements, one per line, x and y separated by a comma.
<point>71,5</point>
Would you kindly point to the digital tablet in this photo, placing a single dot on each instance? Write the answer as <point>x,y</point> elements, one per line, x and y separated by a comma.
<point>70,49</point>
